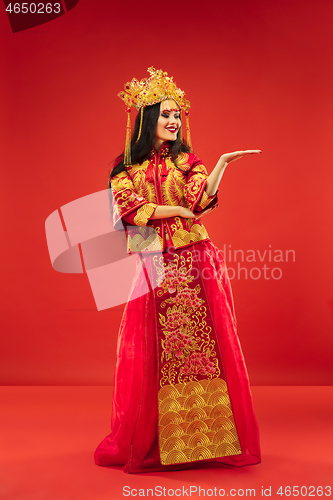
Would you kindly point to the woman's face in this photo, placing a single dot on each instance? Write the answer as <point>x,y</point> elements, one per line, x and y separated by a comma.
<point>168,123</point>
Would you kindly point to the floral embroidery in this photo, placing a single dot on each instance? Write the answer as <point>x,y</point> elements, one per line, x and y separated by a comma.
<point>199,364</point>
<point>188,298</point>
<point>175,319</point>
<point>176,342</point>
<point>187,349</point>
<point>173,278</point>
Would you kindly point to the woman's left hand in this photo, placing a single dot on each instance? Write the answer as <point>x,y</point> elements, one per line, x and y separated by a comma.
<point>229,157</point>
<point>215,176</point>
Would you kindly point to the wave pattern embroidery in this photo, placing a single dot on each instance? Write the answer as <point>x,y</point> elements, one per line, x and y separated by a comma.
<point>195,415</point>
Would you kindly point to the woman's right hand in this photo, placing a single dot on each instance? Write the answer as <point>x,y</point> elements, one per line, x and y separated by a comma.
<point>186,213</point>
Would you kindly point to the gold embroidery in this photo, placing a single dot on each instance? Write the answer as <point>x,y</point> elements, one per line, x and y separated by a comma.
<point>124,193</point>
<point>183,237</point>
<point>195,416</point>
<point>194,185</point>
<point>180,186</point>
<point>173,186</point>
<point>182,162</point>
<point>190,430</point>
<point>144,213</point>
<point>178,224</point>
<point>121,181</point>
<point>205,200</point>
<point>142,185</point>
<point>188,351</point>
<point>144,238</point>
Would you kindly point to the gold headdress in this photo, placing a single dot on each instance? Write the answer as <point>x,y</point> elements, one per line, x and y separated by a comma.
<point>158,87</point>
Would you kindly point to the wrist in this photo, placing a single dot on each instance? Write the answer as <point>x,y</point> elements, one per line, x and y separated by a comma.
<point>223,161</point>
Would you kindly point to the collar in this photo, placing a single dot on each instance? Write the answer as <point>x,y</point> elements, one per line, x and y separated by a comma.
<point>164,150</point>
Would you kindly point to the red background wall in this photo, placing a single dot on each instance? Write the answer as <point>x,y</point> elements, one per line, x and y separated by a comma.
<point>258,74</point>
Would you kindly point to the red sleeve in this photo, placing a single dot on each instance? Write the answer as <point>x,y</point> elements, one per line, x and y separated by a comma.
<point>128,204</point>
<point>194,191</point>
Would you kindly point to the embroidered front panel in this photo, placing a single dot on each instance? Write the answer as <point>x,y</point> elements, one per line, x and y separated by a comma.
<point>173,185</point>
<point>195,415</point>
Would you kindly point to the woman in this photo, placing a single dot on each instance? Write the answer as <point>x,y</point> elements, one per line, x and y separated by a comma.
<point>181,395</point>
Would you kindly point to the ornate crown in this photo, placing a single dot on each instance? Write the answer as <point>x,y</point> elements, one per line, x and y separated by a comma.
<point>158,87</point>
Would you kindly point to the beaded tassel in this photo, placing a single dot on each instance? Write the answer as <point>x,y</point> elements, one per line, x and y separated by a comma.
<point>180,134</point>
<point>188,132</point>
<point>140,128</point>
<point>127,152</point>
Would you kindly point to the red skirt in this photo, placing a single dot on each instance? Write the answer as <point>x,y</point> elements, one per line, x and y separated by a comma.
<point>181,389</point>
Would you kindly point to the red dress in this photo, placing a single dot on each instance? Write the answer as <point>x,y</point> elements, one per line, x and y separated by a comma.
<point>181,391</point>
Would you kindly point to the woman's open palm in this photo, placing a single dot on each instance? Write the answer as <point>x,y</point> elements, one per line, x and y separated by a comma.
<point>229,157</point>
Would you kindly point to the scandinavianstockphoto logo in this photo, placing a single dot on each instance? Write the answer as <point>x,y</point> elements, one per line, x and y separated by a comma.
<point>257,264</point>
<point>26,15</point>
<point>268,263</point>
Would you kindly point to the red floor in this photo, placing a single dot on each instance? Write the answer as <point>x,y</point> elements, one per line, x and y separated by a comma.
<point>48,436</point>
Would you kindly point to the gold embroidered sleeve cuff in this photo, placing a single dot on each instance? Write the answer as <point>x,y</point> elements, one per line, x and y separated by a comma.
<point>206,203</point>
<point>144,213</point>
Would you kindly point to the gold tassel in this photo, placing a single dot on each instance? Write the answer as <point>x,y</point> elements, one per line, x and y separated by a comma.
<point>188,132</point>
<point>127,152</point>
<point>180,135</point>
<point>140,128</point>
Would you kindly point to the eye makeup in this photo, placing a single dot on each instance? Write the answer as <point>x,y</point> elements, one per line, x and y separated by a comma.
<point>166,113</point>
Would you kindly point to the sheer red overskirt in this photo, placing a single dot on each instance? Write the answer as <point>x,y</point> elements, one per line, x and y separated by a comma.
<point>133,439</point>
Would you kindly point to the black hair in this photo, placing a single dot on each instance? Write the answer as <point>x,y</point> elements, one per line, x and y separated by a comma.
<point>141,149</point>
